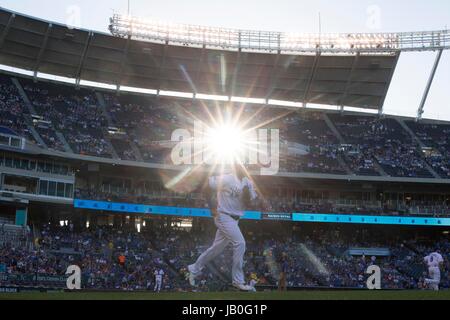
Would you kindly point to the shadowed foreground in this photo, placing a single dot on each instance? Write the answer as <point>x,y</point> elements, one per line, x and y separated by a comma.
<point>297,295</point>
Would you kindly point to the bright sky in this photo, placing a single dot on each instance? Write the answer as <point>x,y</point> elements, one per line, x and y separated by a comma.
<point>289,16</point>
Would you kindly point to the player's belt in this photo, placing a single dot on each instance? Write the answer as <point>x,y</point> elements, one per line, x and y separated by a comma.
<point>237,218</point>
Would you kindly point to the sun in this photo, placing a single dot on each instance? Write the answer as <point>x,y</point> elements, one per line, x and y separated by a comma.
<point>226,143</point>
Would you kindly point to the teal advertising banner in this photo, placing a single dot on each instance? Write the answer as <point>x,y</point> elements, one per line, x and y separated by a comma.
<point>255,215</point>
<point>21,217</point>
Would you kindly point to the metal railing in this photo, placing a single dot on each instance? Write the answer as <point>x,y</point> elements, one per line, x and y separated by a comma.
<point>270,41</point>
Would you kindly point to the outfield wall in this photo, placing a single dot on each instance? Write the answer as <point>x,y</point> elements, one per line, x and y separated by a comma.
<point>129,208</point>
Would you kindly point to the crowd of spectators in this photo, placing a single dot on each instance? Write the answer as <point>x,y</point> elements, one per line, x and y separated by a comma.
<point>311,130</point>
<point>436,138</point>
<point>160,198</point>
<point>76,114</point>
<point>124,259</point>
<point>373,140</point>
<point>49,136</point>
<point>145,122</point>
<point>371,145</point>
<point>123,148</point>
<point>12,109</point>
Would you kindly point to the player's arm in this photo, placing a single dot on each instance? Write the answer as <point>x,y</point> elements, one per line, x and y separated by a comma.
<point>254,196</point>
<point>261,200</point>
<point>441,263</point>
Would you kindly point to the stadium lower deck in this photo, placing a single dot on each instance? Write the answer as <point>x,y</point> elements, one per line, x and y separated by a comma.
<point>317,257</point>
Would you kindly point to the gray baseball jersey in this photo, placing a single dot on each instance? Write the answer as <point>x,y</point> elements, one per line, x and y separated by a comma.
<point>229,191</point>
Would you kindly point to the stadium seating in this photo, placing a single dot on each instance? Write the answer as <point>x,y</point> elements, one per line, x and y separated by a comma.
<point>318,259</point>
<point>368,145</point>
<point>12,109</point>
<point>380,141</point>
<point>435,137</point>
<point>12,235</point>
<point>75,113</point>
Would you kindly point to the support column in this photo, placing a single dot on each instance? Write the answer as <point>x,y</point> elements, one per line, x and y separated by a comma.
<point>430,82</point>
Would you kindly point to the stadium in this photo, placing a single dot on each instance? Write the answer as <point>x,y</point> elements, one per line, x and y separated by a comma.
<point>89,177</point>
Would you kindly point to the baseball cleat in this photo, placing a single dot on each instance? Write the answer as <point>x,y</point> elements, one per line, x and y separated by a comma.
<point>192,277</point>
<point>243,287</point>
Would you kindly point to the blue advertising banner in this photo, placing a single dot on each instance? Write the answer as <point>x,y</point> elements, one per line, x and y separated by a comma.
<point>157,210</point>
<point>256,215</point>
<point>359,219</point>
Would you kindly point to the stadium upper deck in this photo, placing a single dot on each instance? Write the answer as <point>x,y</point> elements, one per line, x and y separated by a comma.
<point>122,125</point>
<point>136,130</point>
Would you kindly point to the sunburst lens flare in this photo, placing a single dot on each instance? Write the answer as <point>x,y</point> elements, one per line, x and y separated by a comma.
<point>226,143</point>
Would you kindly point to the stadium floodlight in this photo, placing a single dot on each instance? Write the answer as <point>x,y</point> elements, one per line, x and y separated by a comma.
<point>269,41</point>
<point>151,30</point>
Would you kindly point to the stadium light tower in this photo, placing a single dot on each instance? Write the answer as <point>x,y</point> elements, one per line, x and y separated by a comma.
<point>284,43</point>
<point>271,41</point>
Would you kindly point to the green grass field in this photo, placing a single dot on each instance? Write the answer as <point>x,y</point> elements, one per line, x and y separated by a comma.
<point>293,295</point>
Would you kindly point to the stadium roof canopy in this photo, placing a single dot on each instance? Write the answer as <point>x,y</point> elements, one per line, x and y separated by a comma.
<point>356,77</point>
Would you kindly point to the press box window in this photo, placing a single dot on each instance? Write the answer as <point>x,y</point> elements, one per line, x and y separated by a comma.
<point>4,140</point>
<point>60,190</point>
<point>41,167</point>
<point>57,169</point>
<point>48,167</point>
<point>43,188</point>
<point>17,163</point>
<point>69,190</point>
<point>16,143</point>
<point>52,188</point>
<point>25,164</point>
<point>8,162</point>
